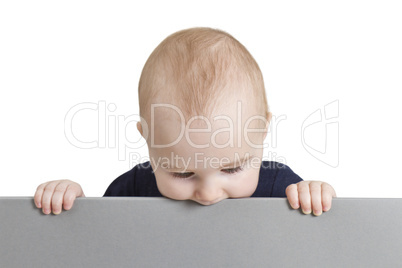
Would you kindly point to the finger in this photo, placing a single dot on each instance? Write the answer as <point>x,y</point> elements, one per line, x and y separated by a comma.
<point>58,196</point>
<point>327,193</point>
<point>304,197</point>
<point>47,196</point>
<point>38,195</point>
<point>72,192</point>
<point>315,192</point>
<point>292,195</point>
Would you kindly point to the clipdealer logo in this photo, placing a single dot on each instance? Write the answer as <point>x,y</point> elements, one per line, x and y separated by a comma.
<point>320,134</point>
<point>112,129</point>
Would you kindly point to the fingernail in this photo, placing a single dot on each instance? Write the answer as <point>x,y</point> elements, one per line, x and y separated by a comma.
<point>46,211</point>
<point>317,212</point>
<point>307,211</point>
<point>56,212</point>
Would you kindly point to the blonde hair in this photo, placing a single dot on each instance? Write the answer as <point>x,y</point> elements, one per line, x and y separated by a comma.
<point>196,69</point>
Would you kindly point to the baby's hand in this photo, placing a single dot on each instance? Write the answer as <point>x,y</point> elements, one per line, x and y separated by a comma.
<point>315,194</point>
<point>51,195</point>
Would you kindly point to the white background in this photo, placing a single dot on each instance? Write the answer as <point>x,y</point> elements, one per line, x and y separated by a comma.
<point>57,54</point>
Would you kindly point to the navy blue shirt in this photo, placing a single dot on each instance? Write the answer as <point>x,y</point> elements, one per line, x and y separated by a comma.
<point>140,181</point>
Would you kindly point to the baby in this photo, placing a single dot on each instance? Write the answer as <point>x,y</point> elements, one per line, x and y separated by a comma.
<point>204,115</point>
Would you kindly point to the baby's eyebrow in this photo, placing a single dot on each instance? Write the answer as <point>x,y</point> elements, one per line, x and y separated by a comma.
<point>224,165</point>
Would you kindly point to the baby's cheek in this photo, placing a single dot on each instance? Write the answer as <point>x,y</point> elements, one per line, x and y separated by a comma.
<point>245,186</point>
<point>174,189</point>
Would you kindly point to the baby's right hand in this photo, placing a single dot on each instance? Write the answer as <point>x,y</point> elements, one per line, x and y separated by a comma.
<point>51,195</point>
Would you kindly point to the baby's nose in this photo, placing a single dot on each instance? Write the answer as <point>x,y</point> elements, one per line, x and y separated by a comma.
<point>208,194</point>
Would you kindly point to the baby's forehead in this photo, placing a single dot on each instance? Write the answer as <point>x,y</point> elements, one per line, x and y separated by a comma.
<point>226,125</point>
<point>216,116</point>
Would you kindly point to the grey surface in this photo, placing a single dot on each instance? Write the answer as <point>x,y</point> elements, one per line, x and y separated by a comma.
<point>159,232</point>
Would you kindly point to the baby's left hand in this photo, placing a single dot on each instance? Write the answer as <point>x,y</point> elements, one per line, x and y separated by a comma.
<point>316,195</point>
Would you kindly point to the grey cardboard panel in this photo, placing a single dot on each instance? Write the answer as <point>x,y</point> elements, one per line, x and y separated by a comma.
<point>159,232</point>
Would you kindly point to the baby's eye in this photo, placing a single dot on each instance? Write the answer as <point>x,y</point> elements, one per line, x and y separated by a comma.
<point>233,170</point>
<point>185,175</point>
<point>182,175</point>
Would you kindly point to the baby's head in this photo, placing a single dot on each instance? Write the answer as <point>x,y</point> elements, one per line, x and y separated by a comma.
<point>204,115</point>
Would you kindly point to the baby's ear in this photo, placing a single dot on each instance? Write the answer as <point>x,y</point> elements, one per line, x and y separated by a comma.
<point>139,127</point>
<point>269,117</point>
